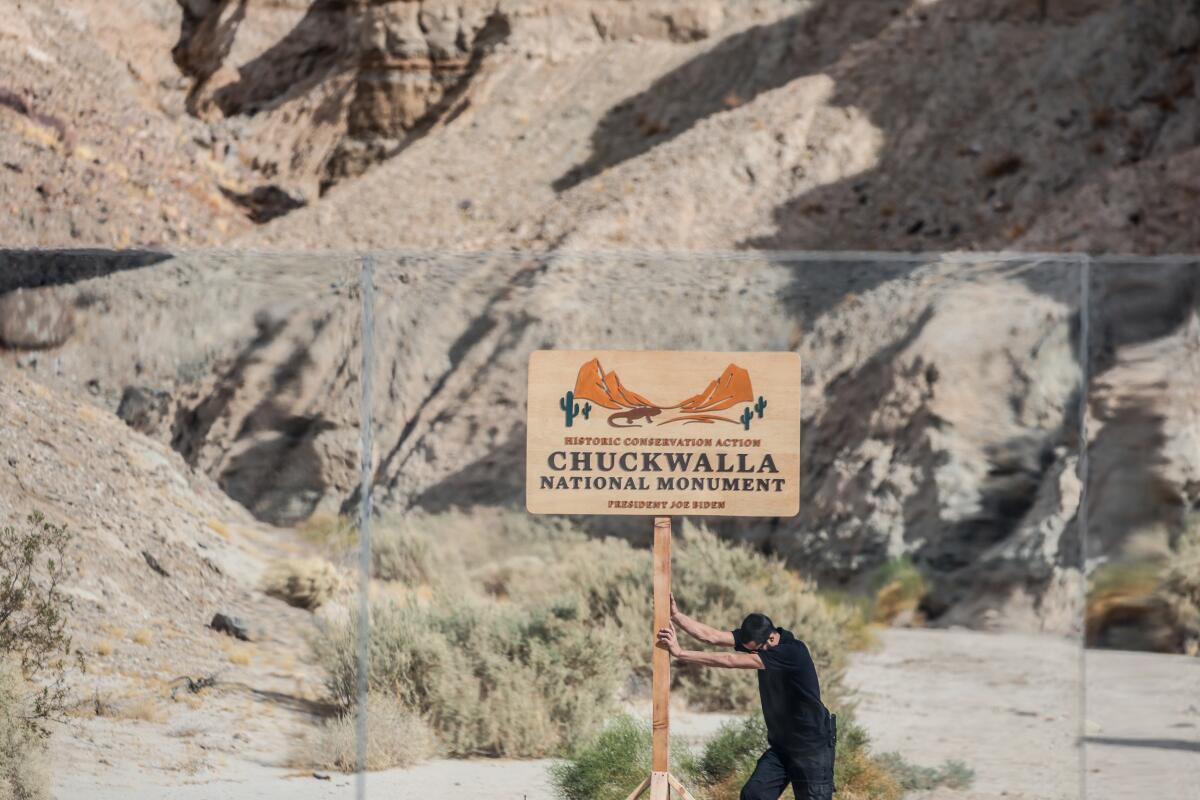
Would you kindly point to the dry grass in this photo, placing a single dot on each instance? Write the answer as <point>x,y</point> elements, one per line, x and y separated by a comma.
<point>332,531</point>
<point>105,648</point>
<point>305,583</point>
<point>241,656</point>
<point>144,708</point>
<point>142,705</point>
<point>396,737</point>
<point>113,631</point>
<point>143,637</point>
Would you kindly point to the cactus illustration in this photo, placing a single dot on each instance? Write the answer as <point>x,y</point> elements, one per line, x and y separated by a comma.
<point>747,415</point>
<point>760,405</point>
<point>569,406</point>
<point>587,409</point>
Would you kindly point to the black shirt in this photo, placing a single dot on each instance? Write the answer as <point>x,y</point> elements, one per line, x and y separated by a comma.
<point>797,720</point>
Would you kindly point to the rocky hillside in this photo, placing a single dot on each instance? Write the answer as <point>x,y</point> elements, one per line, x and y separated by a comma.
<point>693,124</point>
<point>942,393</point>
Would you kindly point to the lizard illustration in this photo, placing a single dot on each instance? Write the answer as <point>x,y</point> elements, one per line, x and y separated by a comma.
<point>644,412</point>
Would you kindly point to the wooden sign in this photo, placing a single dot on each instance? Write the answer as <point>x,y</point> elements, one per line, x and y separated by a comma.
<point>663,433</point>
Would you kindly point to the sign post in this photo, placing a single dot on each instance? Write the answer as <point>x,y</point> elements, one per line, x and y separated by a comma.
<point>595,445</point>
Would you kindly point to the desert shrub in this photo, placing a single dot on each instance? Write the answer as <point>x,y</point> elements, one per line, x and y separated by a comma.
<point>334,532</point>
<point>857,772</point>
<point>396,737</point>
<point>454,549</point>
<point>302,582</point>
<point>532,595</point>
<point>912,778</point>
<point>714,581</point>
<point>613,763</point>
<point>24,771</point>
<point>33,607</point>
<point>733,751</point>
<point>1180,588</point>
<point>528,561</point>
<point>490,679</point>
<point>1123,592</point>
<point>419,548</point>
<point>899,587</point>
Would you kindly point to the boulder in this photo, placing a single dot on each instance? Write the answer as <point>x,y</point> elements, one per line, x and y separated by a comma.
<point>35,319</point>
<point>144,409</point>
<point>233,626</point>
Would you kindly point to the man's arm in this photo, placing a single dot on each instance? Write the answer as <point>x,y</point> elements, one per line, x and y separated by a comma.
<point>666,638</point>
<point>698,630</point>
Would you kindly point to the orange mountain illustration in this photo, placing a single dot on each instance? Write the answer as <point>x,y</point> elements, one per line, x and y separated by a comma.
<point>605,389</point>
<point>731,388</point>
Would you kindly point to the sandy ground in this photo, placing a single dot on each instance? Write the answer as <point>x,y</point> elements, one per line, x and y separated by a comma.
<point>1005,704</point>
<point>1143,737</point>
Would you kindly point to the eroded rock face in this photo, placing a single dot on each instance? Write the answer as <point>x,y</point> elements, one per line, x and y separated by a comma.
<point>323,91</point>
<point>413,60</point>
<point>312,94</point>
<point>35,319</point>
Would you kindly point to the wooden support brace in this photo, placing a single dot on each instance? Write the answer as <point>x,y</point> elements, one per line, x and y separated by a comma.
<point>678,787</point>
<point>636,793</point>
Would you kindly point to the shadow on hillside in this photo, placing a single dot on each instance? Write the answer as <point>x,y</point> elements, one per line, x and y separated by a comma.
<point>29,269</point>
<point>966,159</point>
<point>735,71</point>
<point>989,118</point>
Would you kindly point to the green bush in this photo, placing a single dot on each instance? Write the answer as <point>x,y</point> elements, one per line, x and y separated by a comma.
<point>1180,589</point>
<point>609,766</point>
<point>912,778</point>
<point>899,587</point>
<point>731,753</point>
<point>33,607</point>
<point>613,764</point>
<point>490,679</point>
<point>729,759</point>
<point>24,771</point>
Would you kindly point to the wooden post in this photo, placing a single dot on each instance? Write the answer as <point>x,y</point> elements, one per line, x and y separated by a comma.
<point>661,782</point>
<point>661,686</point>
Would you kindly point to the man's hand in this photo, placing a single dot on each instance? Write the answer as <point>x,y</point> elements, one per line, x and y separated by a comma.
<point>674,608</point>
<point>666,638</point>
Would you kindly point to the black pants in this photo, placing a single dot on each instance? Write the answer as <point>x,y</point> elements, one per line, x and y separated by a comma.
<point>811,777</point>
<point>810,773</point>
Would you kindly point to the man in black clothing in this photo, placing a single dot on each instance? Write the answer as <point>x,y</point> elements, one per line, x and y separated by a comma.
<point>801,731</point>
